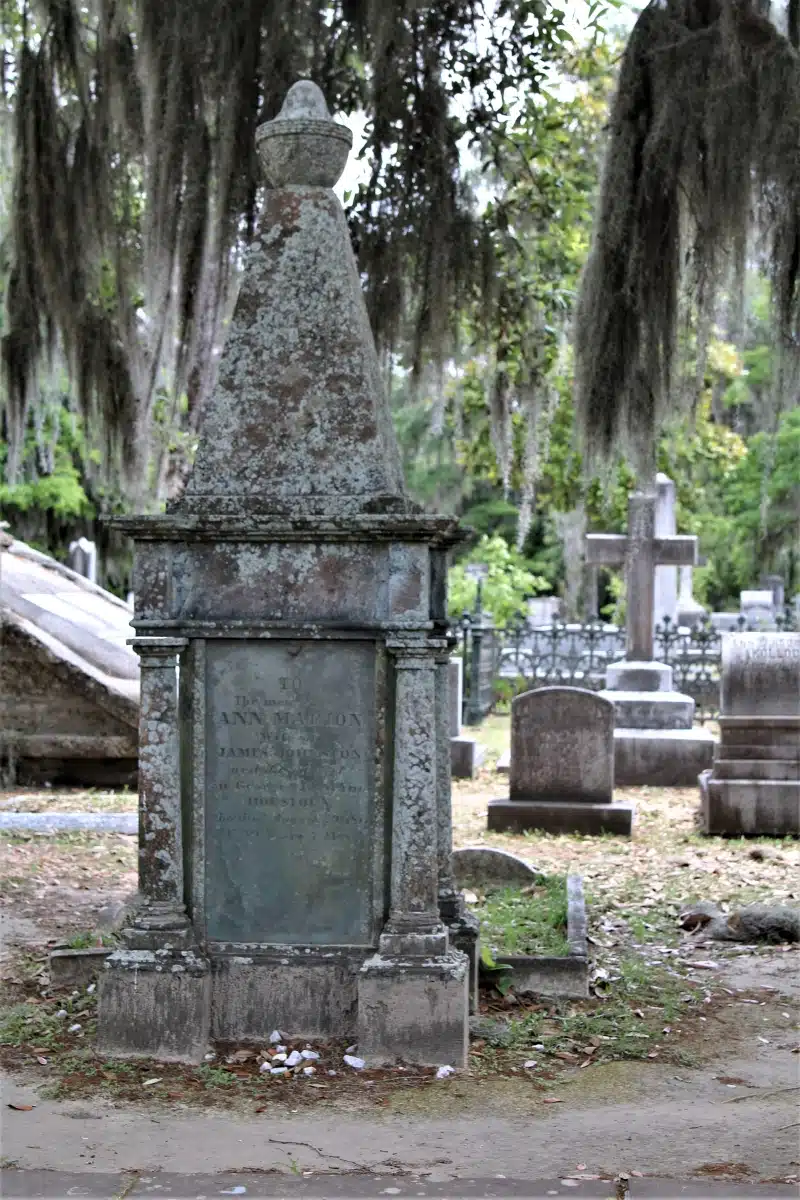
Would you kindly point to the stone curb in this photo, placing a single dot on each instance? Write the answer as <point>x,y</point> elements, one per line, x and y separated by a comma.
<point>63,822</point>
<point>547,975</point>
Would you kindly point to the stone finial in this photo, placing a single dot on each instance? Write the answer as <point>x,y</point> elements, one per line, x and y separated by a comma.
<point>303,146</point>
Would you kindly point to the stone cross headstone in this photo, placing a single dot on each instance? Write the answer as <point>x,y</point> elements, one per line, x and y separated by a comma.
<point>561,775</point>
<point>665,583</point>
<point>691,612</point>
<point>753,787</point>
<point>640,551</point>
<point>295,826</point>
<point>82,558</point>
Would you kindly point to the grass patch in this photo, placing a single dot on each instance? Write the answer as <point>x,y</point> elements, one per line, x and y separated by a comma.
<point>530,920</point>
<point>90,941</point>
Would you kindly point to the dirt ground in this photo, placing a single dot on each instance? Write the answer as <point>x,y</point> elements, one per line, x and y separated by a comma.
<point>715,1098</point>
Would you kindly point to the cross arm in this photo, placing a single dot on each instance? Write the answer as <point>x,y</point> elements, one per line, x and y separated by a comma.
<point>678,550</point>
<point>606,549</point>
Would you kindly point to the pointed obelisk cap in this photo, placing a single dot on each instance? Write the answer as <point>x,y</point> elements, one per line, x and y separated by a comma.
<point>303,146</point>
<point>299,423</point>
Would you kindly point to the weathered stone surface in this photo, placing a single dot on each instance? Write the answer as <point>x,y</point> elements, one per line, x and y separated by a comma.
<point>753,788</point>
<point>68,683</point>
<point>760,675</point>
<point>305,793</point>
<point>651,710</point>
<point>414,1011</point>
<point>456,669</point>
<point>553,816</point>
<point>482,866</point>
<point>466,757</point>
<point>63,822</point>
<point>154,1005</point>
<point>76,968</point>
<point>562,746</point>
<point>661,757</point>
<point>290,735</point>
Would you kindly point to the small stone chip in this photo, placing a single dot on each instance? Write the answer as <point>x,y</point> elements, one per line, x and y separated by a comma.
<point>357,1064</point>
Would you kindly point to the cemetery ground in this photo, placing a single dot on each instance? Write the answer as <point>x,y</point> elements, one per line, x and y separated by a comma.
<point>683,1063</point>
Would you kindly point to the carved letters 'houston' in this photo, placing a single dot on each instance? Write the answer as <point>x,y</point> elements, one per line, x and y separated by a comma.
<point>290,747</point>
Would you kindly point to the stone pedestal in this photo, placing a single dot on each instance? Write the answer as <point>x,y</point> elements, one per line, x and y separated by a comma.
<point>753,788</point>
<point>655,742</point>
<point>294,775</point>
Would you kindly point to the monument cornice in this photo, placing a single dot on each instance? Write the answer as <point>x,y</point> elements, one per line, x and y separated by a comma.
<point>438,531</point>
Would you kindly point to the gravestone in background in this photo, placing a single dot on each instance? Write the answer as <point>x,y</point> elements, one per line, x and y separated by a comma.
<point>655,742</point>
<point>757,606</point>
<point>561,776</point>
<point>754,785</point>
<point>295,824</point>
<point>665,578</point>
<point>691,612</point>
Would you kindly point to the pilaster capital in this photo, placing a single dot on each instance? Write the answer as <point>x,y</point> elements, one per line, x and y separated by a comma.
<point>416,654</point>
<point>158,652</point>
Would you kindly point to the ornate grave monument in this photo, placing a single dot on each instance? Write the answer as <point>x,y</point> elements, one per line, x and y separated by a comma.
<point>295,853</point>
<point>561,776</point>
<point>654,740</point>
<point>754,786</point>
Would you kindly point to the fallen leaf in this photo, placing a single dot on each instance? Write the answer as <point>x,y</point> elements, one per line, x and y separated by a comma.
<point>22,1107</point>
<point>552,1100</point>
<point>42,1061</point>
<point>150,1082</point>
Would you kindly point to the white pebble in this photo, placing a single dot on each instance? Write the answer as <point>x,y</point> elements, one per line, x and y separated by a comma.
<point>279,1058</point>
<point>539,1046</point>
<point>91,988</point>
<point>445,1072</point>
<point>530,1064</point>
<point>309,1070</point>
<point>310,1055</point>
<point>210,1056</point>
<point>278,1071</point>
<point>275,1036</point>
<point>294,1058</point>
<point>357,1064</point>
<point>75,1028</point>
<point>351,1049</point>
<point>265,1066</point>
<point>281,1049</point>
<point>62,1012</point>
<point>331,1072</point>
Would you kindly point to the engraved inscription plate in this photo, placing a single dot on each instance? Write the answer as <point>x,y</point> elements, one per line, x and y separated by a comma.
<point>290,754</point>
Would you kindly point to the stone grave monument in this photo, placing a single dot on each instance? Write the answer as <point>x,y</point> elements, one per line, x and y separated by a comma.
<point>754,785</point>
<point>466,752</point>
<point>295,852</point>
<point>654,739</point>
<point>691,612</point>
<point>561,775</point>
<point>757,606</point>
<point>69,683</point>
<point>665,580</point>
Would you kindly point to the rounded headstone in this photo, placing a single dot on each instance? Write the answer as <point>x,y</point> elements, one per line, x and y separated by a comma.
<point>303,146</point>
<point>481,866</point>
<point>760,675</point>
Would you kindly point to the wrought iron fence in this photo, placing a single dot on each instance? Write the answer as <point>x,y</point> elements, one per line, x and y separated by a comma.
<point>500,664</point>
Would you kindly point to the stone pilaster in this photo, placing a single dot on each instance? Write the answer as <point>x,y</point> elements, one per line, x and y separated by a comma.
<point>450,902</point>
<point>162,917</point>
<point>414,926</point>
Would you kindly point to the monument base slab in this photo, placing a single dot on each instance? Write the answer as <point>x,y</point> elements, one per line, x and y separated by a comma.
<point>155,1004</point>
<point>466,756</point>
<point>651,710</point>
<point>559,816</point>
<point>661,757</point>
<point>306,994</point>
<point>750,807</point>
<point>414,1010</point>
<point>465,936</point>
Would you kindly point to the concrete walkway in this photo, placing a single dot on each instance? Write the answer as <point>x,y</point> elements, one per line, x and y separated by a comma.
<point>63,822</point>
<point>53,1185</point>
